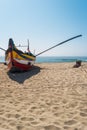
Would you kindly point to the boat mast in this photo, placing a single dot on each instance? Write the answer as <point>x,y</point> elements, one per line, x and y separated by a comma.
<point>2,49</point>
<point>28,49</point>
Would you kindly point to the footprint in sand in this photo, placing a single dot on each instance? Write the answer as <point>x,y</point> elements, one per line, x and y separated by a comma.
<point>2,110</point>
<point>83,114</point>
<point>64,101</point>
<point>3,129</point>
<point>35,123</point>
<point>27,119</point>
<point>2,119</point>
<point>12,115</point>
<point>36,110</point>
<point>32,109</point>
<point>68,128</point>
<point>70,122</point>
<point>54,108</point>
<point>57,114</point>
<point>1,113</point>
<point>19,127</point>
<point>43,119</point>
<point>84,110</point>
<point>12,123</point>
<point>51,127</point>
<point>57,123</point>
<point>30,121</point>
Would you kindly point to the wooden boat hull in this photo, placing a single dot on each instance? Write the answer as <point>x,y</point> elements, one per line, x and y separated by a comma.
<point>16,60</point>
<point>16,66</point>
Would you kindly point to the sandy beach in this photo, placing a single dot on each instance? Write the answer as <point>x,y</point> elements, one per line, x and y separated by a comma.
<point>53,96</point>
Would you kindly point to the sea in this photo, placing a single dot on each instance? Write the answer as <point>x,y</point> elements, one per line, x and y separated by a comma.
<point>54,59</point>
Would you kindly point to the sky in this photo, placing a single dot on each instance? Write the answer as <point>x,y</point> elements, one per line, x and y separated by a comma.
<point>45,23</point>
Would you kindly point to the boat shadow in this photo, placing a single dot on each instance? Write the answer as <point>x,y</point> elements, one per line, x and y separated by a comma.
<point>20,77</point>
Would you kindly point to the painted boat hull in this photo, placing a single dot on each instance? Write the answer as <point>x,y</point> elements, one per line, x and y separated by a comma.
<point>16,66</point>
<point>16,60</point>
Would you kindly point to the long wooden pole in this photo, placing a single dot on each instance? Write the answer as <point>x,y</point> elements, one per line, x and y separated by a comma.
<point>2,49</point>
<point>58,44</point>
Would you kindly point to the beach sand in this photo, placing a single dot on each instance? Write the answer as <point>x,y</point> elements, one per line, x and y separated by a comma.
<point>53,96</point>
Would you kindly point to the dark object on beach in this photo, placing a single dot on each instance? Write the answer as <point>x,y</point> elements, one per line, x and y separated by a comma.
<point>78,64</point>
<point>5,63</point>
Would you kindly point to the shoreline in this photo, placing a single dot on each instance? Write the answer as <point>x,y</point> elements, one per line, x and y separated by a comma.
<point>53,96</point>
<point>56,59</point>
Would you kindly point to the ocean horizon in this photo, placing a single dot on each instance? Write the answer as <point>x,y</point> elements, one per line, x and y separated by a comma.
<point>55,59</point>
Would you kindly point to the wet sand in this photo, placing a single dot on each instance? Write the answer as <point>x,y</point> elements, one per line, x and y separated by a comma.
<point>50,97</point>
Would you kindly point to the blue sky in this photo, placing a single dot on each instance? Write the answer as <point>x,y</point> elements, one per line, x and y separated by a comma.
<point>45,23</point>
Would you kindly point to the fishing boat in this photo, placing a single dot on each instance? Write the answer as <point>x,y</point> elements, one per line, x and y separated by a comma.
<point>17,59</point>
